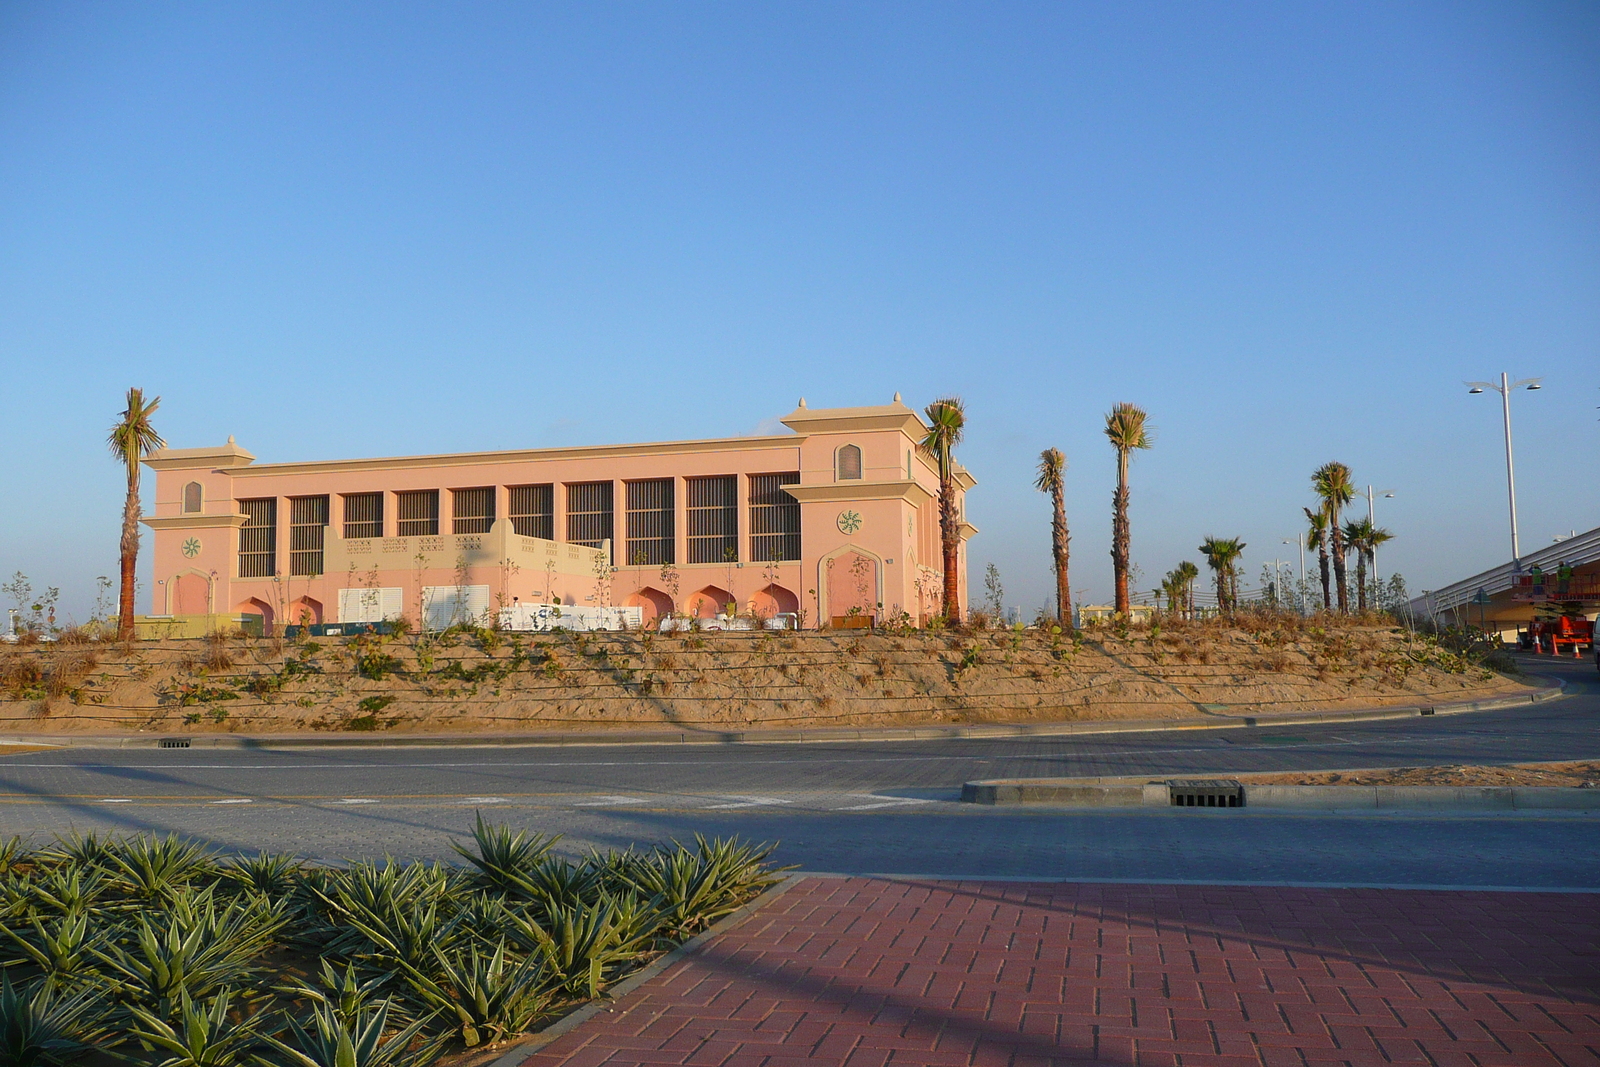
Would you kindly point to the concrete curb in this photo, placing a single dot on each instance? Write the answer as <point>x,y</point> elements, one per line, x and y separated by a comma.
<point>1214,720</point>
<point>1081,793</point>
<point>517,1054</point>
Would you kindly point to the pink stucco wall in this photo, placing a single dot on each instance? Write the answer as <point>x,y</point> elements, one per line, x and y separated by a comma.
<point>886,518</point>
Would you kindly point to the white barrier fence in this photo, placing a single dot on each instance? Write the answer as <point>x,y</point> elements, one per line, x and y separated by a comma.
<point>543,617</point>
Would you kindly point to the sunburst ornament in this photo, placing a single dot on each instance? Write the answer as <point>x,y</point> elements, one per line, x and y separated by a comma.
<point>191,547</point>
<point>849,521</point>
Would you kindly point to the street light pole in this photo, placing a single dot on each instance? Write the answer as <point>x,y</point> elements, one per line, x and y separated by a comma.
<point>1300,594</point>
<point>1372,520</point>
<point>1504,389</point>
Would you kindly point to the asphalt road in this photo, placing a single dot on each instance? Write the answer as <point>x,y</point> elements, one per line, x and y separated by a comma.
<point>887,807</point>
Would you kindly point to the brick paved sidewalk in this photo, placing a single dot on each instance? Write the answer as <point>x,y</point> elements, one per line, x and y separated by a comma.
<point>866,972</point>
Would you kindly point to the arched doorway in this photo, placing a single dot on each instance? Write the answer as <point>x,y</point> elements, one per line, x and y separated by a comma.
<point>709,602</point>
<point>852,585</point>
<point>774,600</point>
<point>305,612</point>
<point>191,594</point>
<point>254,606</point>
<point>652,602</point>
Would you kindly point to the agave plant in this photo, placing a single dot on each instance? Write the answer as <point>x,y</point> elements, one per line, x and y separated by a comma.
<point>14,856</point>
<point>152,868</point>
<point>198,1035</point>
<point>691,890</point>
<point>270,874</point>
<point>191,952</point>
<point>75,849</point>
<point>60,948</point>
<point>336,1038</point>
<point>346,993</point>
<point>39,1028</point>
<point>486,998</point>
<point>503,857</point>
<point>585,943</point>
<point>67,890</point>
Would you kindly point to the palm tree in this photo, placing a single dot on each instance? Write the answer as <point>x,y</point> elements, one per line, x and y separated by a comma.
<point>1364,538</point>
<point>132,439</point>
<point>1052,464</point>
<point>1188,572</point>
<point>1333,484</point>
<point>1317,538</point>
<point>947,417</point>
<point>1221,554</point>
<point>1126,430</point>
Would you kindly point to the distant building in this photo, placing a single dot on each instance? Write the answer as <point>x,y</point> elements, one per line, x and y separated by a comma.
<point>1506,598</point>
<point>834,522</point>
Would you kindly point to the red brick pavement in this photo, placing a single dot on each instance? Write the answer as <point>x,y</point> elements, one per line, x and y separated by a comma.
<point>867,972</point>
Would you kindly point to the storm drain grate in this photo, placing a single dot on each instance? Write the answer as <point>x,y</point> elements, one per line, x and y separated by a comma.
<point>1205,793</point>
<point>174,742</point>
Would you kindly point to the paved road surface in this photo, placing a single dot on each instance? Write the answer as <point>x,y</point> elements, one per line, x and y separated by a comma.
<point>872,807</point>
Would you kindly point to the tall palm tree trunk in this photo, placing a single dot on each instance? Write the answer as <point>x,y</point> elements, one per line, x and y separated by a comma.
<point>1120,538</point>
<point>128,564</point>
<point>1341,582</point>
<point>950,543</point>
<point>1361,581</point>
<point>1327,585</point>
<point>1061,544</point>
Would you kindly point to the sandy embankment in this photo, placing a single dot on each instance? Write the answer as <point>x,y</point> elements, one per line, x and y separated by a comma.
<point>560,682</point>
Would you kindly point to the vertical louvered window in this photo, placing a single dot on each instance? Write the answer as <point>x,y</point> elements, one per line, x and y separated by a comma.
<point>713,519</point>
<point>533,510</point>
<point>308,521</point>
<point>472,510</point>
<point>774,518</point>
<point>848,460</point>
<point>193,499</point>
<point>363,515</point>
<point>258,538</point>
<point>650,525</point>
<point>418,512</point>
<point>589,511</point>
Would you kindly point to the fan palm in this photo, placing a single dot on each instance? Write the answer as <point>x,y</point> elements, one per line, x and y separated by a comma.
<point>1222,555</point>
<point>1317,538</point>
<point>1126,430</point>
<point>1364,538</point>
<point>1334,486</point>
<point>947,418</point>
<point>1052,465</point>
<point>1188,572</point>
<point>132,439</point>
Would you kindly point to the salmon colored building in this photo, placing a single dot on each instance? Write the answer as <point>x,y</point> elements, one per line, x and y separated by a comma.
<point>831,523</point>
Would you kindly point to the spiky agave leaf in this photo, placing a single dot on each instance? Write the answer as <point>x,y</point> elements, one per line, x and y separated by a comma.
<point>40,1028</point>
<point>692,889</point>
<point>486,998</point>
<point>333,1038</point>
<point>588,942</point>
<point>77,849</point>
<point>69,889</point>
<point>348,992</point>
<point>503,856</point>
<point>198,1035</point>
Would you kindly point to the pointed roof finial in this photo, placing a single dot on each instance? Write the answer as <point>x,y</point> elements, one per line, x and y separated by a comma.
<point>230,439</point>
<point>897,398</point>
<point>802,401</point>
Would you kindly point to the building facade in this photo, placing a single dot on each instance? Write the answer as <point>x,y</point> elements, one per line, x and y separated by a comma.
<point>834,523</point>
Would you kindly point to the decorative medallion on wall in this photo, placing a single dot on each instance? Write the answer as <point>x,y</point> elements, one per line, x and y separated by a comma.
<point>191,547</point>
<point>849,521</point>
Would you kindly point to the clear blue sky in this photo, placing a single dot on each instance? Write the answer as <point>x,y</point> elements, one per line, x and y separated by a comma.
<point>1287,230</point>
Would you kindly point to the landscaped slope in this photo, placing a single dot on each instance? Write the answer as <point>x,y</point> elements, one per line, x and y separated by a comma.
<point>485,680</point>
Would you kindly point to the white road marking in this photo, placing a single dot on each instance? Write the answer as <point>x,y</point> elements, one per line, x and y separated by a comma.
<point>236,800</point>
<point>115,800</point>
<point>747,802</point>
<point>883,802</point>
<point>483,800</point>
<point>356,800</point>
<point>608,802</point>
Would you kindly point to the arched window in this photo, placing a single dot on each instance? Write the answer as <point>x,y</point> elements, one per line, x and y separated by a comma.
<point>193,498</point>
<point>847,463</point>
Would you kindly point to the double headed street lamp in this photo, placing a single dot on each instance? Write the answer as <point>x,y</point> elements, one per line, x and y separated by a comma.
<point>1504,389</point>
<point>1372,520</point>
<point>1300,539</point>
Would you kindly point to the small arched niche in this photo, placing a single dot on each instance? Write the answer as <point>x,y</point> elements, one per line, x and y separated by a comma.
<point>194,498</point>
<point>847,463</point>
